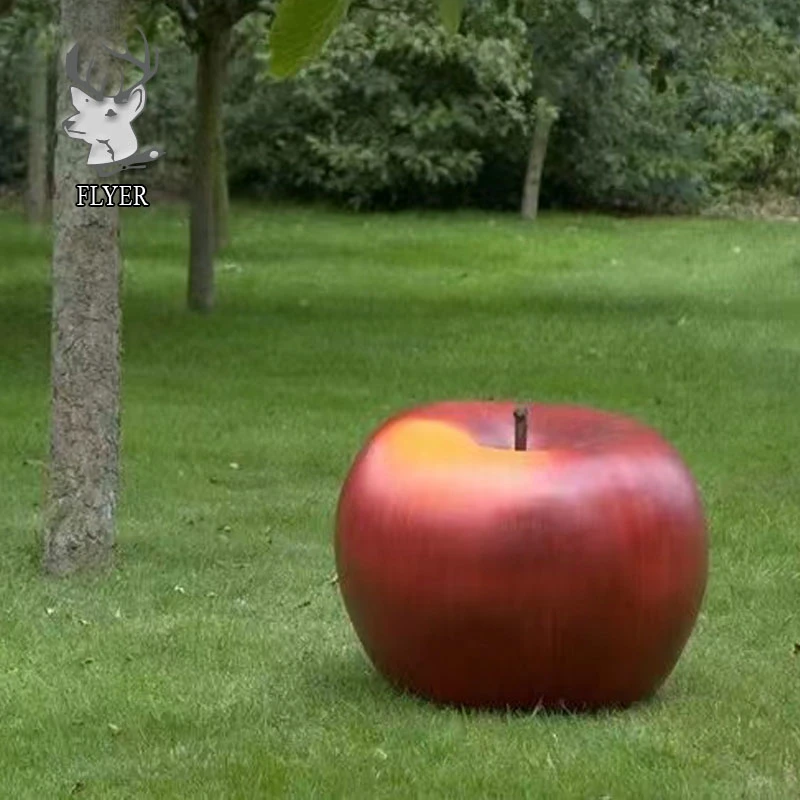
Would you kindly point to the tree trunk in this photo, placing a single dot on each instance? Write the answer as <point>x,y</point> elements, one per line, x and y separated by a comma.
<point>546,115</point>
<point>203,236</point>
<point>55,66</point>
<point>84,462</point>
<point>38,189</point>
<point>221,198</point>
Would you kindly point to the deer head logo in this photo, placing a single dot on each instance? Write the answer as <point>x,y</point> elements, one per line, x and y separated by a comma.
<point>105,122</point>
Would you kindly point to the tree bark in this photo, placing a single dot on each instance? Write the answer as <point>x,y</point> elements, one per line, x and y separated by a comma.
<point>546,115</point>
<point>86,273</point>
<point>38,188</point>
<point>221,197</point>
<point>203,235</point>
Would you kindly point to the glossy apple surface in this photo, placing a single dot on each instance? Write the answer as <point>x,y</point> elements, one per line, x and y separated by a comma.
<point>569,574</point>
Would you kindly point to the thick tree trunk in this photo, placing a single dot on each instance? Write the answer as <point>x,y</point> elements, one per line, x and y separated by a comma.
<point>203,237</point>
<point>84,465</point>
<point>38,189</point>
<point>546,115</point>
<point>221,198</point>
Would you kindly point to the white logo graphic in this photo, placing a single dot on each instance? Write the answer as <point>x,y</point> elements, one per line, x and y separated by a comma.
<point>105,122</point>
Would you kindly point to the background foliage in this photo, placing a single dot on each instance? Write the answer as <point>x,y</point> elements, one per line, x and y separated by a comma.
<point>396,113</point>
<point>663,106</point>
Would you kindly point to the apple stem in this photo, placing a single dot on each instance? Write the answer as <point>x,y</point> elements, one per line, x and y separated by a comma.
<point>521,428</point>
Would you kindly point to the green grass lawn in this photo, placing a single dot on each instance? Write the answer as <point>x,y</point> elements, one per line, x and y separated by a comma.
<point>218,662</point>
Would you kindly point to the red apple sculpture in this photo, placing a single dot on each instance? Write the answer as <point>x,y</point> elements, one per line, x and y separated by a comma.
<point>486,565</point>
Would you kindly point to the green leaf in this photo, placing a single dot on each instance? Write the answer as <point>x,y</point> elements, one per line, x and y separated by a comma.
<point>450,12</point>
<point>300,31</point>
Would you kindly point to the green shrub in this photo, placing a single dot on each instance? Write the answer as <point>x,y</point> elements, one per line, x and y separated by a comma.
<point>624,144</point>
<point>750,110</point>
<point>396,112</point>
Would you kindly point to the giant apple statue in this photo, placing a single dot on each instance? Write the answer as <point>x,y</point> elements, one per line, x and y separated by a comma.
<point>493,557</point>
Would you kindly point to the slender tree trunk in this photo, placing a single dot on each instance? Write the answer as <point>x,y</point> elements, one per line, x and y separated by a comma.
<point>203,237</point>
<point>56,67</point>
<point>221,198</point>
<point>84,463</point>
<point>546,115</point>
<point>38,189</point>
